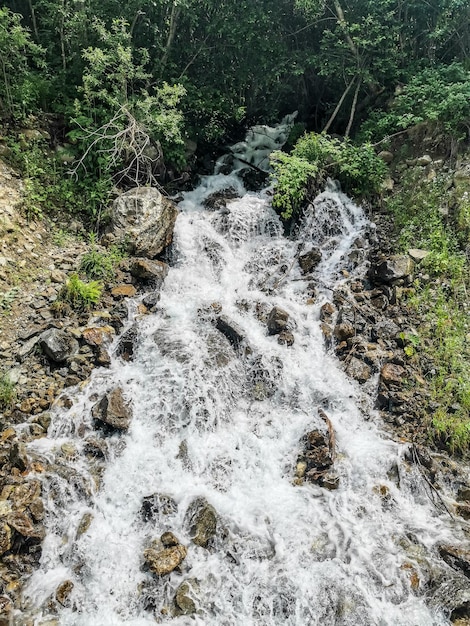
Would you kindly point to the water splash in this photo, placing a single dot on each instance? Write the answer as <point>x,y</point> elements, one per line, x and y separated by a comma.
<point>222,422</point>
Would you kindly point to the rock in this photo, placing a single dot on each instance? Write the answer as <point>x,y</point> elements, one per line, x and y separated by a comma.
<point>219,350</point>
<point>424,160</point>
<point>153,272</point>
<point>26,349</point>
<point>102,357</point>
<point>327,311</point>
<point>123,291</point>
<point>317,456</point>
<point>218,200</point>
<point>18,456</point>
<point>386,156</point>
<point>112,410</point>
<point>285,338</point>
<point>202,522</point>
<point>157,504</point>
<point>5,538</point>
<point>358,370</point>
<point>458,558</point>
<point>144,219</point>
<point>84,524</point>
<point>97,335</point>
<point>418,255</point>
<point>394,268</point>
<point>184,602</point>
<point>344,331</point>
<point>388,184</point>
<point>58,345</point>
<point>126,345</point>
<point>150,301</point>
<point>309,261</point>
<point>278,320</point>
<point>169,540</point>
<point>391,373</point>
<point>162,562</point>
<point>231,330</point>
<point>385,329</point>
<point>63,592</point>
<point>23,525</point>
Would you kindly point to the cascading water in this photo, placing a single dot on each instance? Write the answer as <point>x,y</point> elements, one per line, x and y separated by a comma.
<point>223,422</point>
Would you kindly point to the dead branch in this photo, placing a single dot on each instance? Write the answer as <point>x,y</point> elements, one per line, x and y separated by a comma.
<point>132,156</point>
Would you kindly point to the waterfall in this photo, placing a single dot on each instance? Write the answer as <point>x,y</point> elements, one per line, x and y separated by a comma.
<point>220,420</point>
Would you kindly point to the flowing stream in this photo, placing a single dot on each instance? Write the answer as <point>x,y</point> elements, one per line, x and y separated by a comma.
<point>224,423</point>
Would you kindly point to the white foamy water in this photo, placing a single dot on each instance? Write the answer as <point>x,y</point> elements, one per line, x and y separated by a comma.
<point>224,424</point>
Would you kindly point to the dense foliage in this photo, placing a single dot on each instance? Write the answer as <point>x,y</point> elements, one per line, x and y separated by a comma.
<point>316,157</point>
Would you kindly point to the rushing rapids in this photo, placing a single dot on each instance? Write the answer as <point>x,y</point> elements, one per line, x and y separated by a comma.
<point>219,408</point>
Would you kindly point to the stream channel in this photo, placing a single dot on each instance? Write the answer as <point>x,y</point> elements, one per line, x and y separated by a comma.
<point>221,423</point>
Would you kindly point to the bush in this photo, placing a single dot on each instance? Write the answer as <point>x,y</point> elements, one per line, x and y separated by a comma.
<point>318,156</point>
<point>7,392</point>
<point>80,295</point>
<point>440,95</point>
<point>98,265</point>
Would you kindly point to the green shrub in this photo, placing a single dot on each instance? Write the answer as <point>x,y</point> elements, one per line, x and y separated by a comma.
<point>440,95</point>
<point>7,392</point>
<point>98,265</point>
<point>318,156</point>
<point>292,176</point>
<point>80,295</point>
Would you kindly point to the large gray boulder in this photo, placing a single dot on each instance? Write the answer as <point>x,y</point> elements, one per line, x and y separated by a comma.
<point>144,219</point>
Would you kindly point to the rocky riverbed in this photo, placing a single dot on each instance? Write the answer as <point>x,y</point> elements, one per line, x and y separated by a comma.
<point>367,324</point>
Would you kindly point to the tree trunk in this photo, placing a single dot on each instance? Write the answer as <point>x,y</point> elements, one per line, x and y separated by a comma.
<point>338,106</point>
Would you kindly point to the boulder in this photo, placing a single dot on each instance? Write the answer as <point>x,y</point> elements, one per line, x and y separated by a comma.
<point>113,411</point>
<point>169,540</point>
<point>202,522</point>
<point>149,271</point>
<point>162,562</point>
<point>144,219</point>
<point>344,331</point>
<point>58,345</point>
<point>278,320</point>
<point>309,261</point>
<point>418,255</point>
<point>394,268</point>
<point>285,338</point>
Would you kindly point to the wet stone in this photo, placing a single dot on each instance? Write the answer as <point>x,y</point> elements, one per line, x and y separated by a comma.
<point>153,272</point>
<point>457,557</point>
<point>231,330</point>
<point>162,562</point>
<point>285,338</point>
<point>127,343</point>
<point>184,602</point>
<point>278,320</point>
<point>309,261</point>
<point>202,522</point>
<point>314,463</point>
<point>169,540</point>
<point>157,504</point>
<point>113,411</point>
<point>63,592</point>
